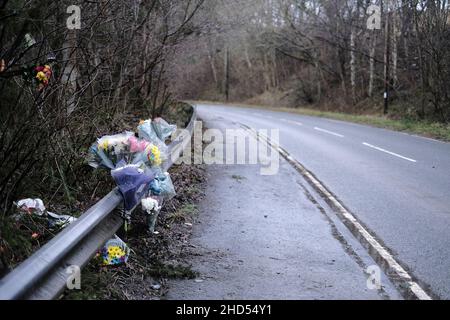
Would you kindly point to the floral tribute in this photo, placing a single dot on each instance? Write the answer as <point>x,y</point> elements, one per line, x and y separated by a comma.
<point>43,75</point>
<point>114,252</point>
<point>135,161</point>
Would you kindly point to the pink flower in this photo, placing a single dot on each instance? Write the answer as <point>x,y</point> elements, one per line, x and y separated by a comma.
<point>137,145</point>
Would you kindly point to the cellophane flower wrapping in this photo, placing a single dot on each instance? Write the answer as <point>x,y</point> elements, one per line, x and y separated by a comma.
<point>115,252</point>
<point>162,185</point>
<point>133,181</point>
<point>146,131</point>
<point>163,129</point>
<point>135,162</point>
<point>109,150</point>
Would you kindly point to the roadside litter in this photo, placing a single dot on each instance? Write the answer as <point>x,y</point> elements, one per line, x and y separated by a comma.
<point>36,207</point>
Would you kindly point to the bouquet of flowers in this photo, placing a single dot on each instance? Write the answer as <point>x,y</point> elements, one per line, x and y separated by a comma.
<point>156,131</point>
<point>133,182</point>
<point>43,75</point>
<point>162,129</point>
<point>151,205</point>
<point>115,252</point>
<point>135,163</point>
<point>109,151</point>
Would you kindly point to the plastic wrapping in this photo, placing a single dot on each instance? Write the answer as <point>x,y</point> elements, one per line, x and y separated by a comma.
<point>98,158</point>
<point>59,221</point>
<point>115,143</point>
<point>110,150</point>
<point>133,181</point>
<point>115,147</point>
<point>162,186</point>
<point>151,156</point>
<point>147,132</point>
<point>135,164</point>
<point>162,129</point>
<point>115,252</point>
<point>137,145</point>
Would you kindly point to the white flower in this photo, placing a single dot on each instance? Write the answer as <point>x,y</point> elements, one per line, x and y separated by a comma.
<point>150,205</point>
<point>118,141</point>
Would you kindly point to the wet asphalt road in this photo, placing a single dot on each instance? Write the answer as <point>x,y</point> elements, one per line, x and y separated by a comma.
<point>262,237</point>
<point>397,184</point>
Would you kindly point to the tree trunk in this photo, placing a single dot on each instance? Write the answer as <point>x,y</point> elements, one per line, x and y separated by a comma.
<point>70,72</point>
<point>353,64</point>
<point>387,60</point>
<point>213,66</point>
<point>394,44</point>
<point>227,74</point>
<point>372,64</point>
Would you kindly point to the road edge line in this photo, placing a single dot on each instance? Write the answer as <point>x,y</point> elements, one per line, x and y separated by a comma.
<point>381,255</point>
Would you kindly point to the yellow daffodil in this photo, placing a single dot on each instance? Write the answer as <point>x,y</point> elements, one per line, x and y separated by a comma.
<point>104,144</point>
<point>157,155</point>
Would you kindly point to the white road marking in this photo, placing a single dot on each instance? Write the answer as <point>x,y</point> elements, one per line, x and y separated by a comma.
<point>388,152</point>
<point>292,122</point>
<point>329,132</point>
<point>353,224</point>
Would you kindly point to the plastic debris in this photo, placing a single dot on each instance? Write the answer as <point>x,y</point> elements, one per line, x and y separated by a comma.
<point>59,221</point>
<point>35,206</point>
<point>29,40</point>
<point>115,252</point>
<point>156,286</point>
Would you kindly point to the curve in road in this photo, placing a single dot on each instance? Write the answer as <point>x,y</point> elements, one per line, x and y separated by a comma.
<point>397,184</point>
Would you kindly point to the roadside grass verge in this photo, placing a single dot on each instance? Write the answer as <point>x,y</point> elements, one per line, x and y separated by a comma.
<point>424,128</point>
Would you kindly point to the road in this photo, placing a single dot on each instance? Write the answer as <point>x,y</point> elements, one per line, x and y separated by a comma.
<point>398,185</point>
<point>262,237</point>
